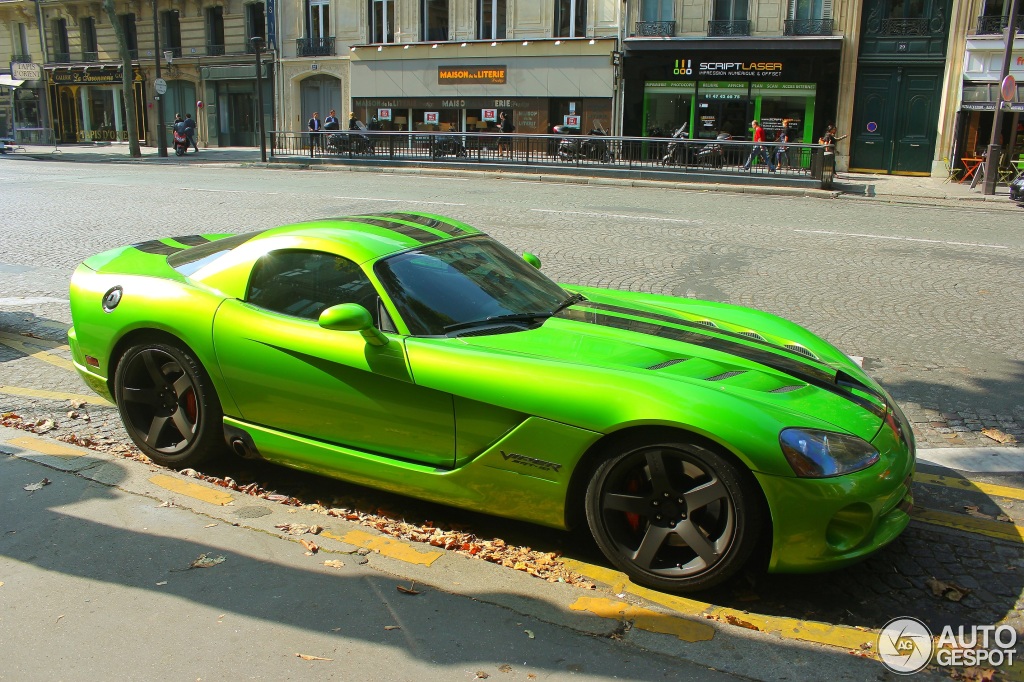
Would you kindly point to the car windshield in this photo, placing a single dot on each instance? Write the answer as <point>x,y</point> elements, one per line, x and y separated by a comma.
<point>458,283</point>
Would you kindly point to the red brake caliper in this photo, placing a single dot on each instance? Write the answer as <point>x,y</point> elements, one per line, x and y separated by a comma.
<point>190,405</point>
<point>632,518</point>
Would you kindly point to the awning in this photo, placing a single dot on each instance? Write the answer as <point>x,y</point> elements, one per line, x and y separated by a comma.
<point>6,79</point>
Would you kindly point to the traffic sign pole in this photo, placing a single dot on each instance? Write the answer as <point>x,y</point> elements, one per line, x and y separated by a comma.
<point>161,138</point>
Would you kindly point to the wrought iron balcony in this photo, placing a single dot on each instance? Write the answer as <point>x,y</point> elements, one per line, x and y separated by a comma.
<point>60,57</point>
<point>655,29</point>
<point>314,47</point>
<point>808,27</point>
<point>905,27</point>
<point>90,56</point>
<point>214,50</point>
<point>21,57</point>
<point>175,51</point>
<point>995,25</point>
<point>729,27</point>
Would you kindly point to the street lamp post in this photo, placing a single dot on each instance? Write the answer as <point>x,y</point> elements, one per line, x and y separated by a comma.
<point>994,147</point>
<point>257,46</point>
<point>161,149</point>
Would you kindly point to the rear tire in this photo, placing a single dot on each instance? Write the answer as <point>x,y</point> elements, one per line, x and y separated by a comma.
<point>674,516</point>
<point>168,405</point>
<point>179,151</point>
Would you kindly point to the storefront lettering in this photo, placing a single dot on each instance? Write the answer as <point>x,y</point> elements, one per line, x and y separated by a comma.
<point>684,67</point>
<point>470,75</point>
<point>453,103</point>
<point>761,69</point>
<point>86,77</point>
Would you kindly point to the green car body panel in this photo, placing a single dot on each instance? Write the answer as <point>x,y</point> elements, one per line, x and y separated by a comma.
<point>500,423</point>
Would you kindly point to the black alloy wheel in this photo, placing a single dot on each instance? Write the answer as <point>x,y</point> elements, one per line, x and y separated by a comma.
<point>168,404</point>
<point>673,516</point>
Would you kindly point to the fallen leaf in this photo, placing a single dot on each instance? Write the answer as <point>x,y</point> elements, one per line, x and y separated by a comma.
<point>43,425</point>
<point>505,668</point>
<point>739,622</point>
<point>947,590</point>
<point>998,436</point>
<point>210,525</point>
<point>1,584</point>
<point>307,657</point>
<point>529,633</point>
<point>531,676</point>
<point>309,545</point>
<point>58,619</point>
<point>334,563</point>
<point>293,528</point>
<point>315,530</point>
<point>162,582</point>
<point>407,590</point>
<point>32,487</point>
<point>392,627</point>
<point>206,561</point>
<point>1004,518</point>
<point>77,404</point>
<point>168,503</point>
<point>480,675</point>
<point>975,511</point>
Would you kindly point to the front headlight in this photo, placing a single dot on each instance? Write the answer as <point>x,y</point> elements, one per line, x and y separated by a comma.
<point>821,454</point>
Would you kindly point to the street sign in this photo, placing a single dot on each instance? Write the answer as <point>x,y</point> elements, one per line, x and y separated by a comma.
<point>571,121</point>
<point>1008,89</point>
<point>160,85</point>
<point>26,71</point>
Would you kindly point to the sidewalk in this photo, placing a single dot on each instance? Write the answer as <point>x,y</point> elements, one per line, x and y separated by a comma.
<point>895,188</point>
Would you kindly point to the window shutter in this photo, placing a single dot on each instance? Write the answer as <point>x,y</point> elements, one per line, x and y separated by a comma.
<point>792,10</point>
<point>826,9</point>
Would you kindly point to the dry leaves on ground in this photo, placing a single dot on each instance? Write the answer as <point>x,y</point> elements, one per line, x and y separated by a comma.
<point>973,674</point>
<point>946,589</point>
<point>310,546</point>
<point>32,487</point>
<point>739,622</point>
<point>206,561</point>
<point>392,627</point>
<point>334,563</point>
<point>480,675</point>
<point>998,435</point>
<point>307,657</point>
<point>407,590</point>
<point>504,668</point>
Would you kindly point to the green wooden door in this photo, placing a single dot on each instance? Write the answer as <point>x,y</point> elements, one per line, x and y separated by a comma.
<point>916,122</point>
<point>873,114</point>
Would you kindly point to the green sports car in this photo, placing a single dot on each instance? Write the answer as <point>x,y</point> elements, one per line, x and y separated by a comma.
<point>413,353</point>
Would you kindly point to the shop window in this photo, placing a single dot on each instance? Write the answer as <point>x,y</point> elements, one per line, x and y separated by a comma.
<point>61,51</point>
<point>170,32</point>
<point>382,21</point>
<point>214,31</point>
<point>87,33</point>
<point>435,20</point>
<point>731,10</point>
<point>131,35</point>
<point>657,10</point>
<point>570,18</point>
<point>255,24</point>
<point>491,19</point>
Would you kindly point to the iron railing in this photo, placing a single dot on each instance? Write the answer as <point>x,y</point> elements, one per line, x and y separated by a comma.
<point>728,27</point>
<point>90,56</point>
<point>21,57</point>
<point>214,50</point>
<point>905,27</point>
<point>554,153</point>
<point>175,51</point>
<point>655,29</point>
<point>995,25</point>
<point>314,47</point>
<point>60,57</point>
<point>808,27</point>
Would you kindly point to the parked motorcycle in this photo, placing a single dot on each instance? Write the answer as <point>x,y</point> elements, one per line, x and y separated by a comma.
<point>713,155</point>
<point>578,147</point>
<point>676,151</point>
<point>353,141</point>
<point>447,145</point>
<point>180,143</point>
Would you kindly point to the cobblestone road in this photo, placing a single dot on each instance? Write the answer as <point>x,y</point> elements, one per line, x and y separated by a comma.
<point>928,295</point>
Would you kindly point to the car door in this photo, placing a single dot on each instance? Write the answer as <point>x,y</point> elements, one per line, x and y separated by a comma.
<point>286,372</point>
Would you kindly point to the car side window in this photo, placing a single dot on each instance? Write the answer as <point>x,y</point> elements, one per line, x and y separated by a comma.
<point>305,283</point>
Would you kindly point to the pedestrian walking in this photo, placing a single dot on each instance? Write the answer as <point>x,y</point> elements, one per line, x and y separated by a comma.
<point>315,127</point>
<point>353,122</point>
<point>830,138</point>
<point>782,151</point>
<point>506,127</point>
<point>331,122</point>
<point>190,132</point>
<point>759,150</point>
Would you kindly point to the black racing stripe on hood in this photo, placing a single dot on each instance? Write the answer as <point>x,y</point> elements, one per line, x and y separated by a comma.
<point>425,221</point>
<point>422,236</point>
<point>157,247</point>
<point>686,323</point>
<point>791,367</point>
<point>191,240</point>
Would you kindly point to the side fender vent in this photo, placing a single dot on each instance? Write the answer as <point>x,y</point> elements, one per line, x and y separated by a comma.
<point>753,335</point>
<point>668,363</point>
<point>786,389</point>
<point>794,348</point>
<point>725,375</point>
<point>708,323</point>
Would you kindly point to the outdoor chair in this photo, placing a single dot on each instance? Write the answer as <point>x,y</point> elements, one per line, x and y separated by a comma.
<point>952,173</point>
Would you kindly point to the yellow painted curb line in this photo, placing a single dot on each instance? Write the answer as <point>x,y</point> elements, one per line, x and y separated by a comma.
<point>970,486</point>
<point>389,547</point>
<point>176,485</point>
<point>45,447</point>
<point>990,528</point>
<point>842,636</point>
<point>32,350</point>
<point>34,341</point>
<point>645,619</point>
<point>53,395</point>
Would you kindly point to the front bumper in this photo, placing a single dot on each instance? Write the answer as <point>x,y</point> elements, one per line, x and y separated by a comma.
<point>93,380</point>
<point>823,524</point>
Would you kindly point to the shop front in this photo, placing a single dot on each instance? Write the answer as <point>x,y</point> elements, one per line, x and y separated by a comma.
<point>535,88</point>
<point>714,90</point>
<point>979,95</point>
<point>231,106</point>
<point>89,105</point>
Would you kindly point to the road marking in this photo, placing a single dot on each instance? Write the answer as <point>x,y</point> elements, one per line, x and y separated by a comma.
<point>202,493</point>
<point>645,619</point>
<point>389,547</point>
<point>902,239</point>
<point>617,215</point>
<point>970,486</point>
<point>227,191</point>
<point>25,345</point>
<point>970,524</point>
<point>842,636</point>
<point>400,201</point>
<point>977,460</point>
<point>53,395</point>
<point>44,446</point>
<point>35,341</point>
<point>30,300</point>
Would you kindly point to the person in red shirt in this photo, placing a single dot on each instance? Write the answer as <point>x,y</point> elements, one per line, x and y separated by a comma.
<point>759,150</point>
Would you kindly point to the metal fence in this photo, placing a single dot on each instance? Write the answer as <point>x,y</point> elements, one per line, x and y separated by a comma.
<point>790,161</point>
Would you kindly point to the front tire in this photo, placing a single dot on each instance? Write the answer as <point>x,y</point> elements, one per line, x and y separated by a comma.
<point>674,516</point>
<point>168,404</point>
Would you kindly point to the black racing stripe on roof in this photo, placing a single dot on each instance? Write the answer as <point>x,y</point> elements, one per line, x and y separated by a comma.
<point>191,240</point>
<point>425,221</point>
<point>798,370</point>
<point>690,324</point>
<point>422,236</point>
<point>157,247</point>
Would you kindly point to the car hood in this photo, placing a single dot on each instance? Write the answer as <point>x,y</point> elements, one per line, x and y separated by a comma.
<point>709,346</point>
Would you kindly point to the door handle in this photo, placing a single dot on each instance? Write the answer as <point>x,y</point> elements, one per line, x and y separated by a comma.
<point>915,145</point>
<point>869,143</point>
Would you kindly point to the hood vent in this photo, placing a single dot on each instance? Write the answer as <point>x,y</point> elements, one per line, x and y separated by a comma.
<point>786,389</point>
<point>708,323</point>
<point>668,363</point>
<point>794,348</point>
<point>725,375</point>
<point>753,335</point>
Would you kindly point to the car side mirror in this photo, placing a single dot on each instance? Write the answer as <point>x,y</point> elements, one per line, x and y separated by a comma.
<point>531,259</point>
<point>352,317</point>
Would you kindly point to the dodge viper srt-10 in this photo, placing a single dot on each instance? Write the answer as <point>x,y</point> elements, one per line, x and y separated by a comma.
<point>411,352</point>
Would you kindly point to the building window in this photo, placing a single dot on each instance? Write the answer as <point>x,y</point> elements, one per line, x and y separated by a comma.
<point>87,31</point>
<point>570,18</point>
<point>731,10</point>
<point>255,23</point>
<point>907,9</point>
<point>435,20</point>
<point>810,9</point>
<point>491,20</point>
<point>382,21</point>
<point>61,51</point>
<point>21,42</point>
<point>170,32</point>
<point>318,19</point>
<point>131,36</point>
<point>214,31</point>
<point>657,10</point>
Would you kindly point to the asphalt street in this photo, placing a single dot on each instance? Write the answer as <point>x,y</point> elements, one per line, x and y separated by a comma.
<point>928,295</point>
